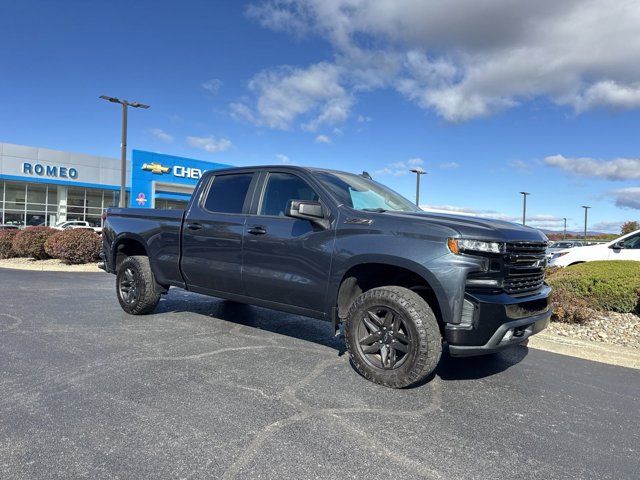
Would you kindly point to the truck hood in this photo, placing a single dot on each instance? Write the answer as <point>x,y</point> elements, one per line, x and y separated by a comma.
<point>478,228</point>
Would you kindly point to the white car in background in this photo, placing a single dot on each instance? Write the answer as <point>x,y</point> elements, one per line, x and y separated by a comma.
<point>77,224</point>
<point>626,247</point>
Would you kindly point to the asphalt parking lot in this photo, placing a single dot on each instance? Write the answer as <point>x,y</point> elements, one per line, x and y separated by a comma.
<point>209,389</point>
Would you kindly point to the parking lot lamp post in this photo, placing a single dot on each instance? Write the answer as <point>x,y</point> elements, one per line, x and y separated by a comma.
<point>418,171</point>
<point>586,209</point>
<point>564,235</point>
<point>524,207</point>
<point>123,145</point>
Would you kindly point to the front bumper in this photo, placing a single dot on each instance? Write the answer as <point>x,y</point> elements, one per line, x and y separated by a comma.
<point>499,320</point>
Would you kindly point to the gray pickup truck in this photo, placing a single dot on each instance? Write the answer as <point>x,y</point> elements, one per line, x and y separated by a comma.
<point>342,248</point>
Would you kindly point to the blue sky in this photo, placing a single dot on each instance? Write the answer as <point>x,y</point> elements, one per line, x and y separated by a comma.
<point>490,99</point>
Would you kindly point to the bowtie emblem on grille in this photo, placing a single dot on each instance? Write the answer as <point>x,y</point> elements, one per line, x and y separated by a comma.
<point>540,263</point>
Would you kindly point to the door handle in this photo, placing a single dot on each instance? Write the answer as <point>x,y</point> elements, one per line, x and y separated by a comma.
<point>194,226</point>
<point>257,230</point>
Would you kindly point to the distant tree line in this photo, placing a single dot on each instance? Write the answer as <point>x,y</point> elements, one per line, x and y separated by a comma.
<point>627,227</point>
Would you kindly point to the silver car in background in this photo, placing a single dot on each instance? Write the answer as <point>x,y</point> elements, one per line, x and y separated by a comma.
<point>562,245</point>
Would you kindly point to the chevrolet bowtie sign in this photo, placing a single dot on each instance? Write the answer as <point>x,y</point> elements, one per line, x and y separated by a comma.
<point>178,170</point>
<point>155,168</point>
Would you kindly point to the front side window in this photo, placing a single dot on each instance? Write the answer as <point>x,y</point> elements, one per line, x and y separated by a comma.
<point>632,242</point>
<point>228,192</point>
<point>280,188</point>
<point>362,193</point>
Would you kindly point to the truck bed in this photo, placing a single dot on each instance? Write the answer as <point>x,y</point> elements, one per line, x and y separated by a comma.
<point>160,232</point>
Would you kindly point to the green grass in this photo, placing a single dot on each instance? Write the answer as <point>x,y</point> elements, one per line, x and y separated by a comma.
<point>610,285</point>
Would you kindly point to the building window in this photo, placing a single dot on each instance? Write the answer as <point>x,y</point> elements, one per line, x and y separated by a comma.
<point>36,205</point>
<point>165,204</point>
<point>14,203</point>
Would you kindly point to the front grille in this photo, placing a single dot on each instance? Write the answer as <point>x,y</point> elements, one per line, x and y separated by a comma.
<point>524,264</point>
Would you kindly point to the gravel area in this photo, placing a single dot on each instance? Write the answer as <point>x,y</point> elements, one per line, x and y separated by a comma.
<point>611,328</point>
<point>51,265</point>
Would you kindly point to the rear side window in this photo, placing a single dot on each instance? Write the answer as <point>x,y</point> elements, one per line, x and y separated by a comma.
<point>228,192</point>
<point>282,187</point>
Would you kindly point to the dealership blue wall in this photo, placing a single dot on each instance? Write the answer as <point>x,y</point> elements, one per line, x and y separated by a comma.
<point>168,169</point>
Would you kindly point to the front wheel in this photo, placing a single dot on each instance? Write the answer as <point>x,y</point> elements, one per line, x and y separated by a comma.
<point>393,337</point>
<point>136,286</point>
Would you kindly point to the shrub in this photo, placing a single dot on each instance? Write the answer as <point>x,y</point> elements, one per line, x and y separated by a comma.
<point>611,286</point>
<point>570,308</point>
<point>30,242</point>
<point>6,239</point>
<point>74,246</point>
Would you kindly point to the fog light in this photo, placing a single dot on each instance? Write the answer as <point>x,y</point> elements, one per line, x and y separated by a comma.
<point>482,282</point>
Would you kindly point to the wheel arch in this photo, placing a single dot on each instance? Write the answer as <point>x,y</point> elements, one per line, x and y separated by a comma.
<point>361,275</point>
<point>127,246</point>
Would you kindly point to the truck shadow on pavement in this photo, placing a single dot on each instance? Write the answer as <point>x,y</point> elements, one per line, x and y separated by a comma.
<point>320,332</point>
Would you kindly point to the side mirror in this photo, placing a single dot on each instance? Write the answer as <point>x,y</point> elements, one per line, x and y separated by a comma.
<point>617,246</point>
<point>307,210</point>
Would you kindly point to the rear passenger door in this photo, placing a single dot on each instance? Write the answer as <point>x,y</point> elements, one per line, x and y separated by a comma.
<point>212,234</point>
<point>286,260</point>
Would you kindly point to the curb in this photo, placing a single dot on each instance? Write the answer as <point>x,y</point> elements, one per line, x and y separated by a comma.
<point>53,268</point>
<point>594,351</point>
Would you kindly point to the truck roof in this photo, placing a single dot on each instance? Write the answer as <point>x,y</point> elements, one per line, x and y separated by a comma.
<point>280,167</point>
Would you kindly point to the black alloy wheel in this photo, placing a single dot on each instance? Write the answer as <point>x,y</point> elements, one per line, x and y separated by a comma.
<point>384,339</point>
<point>128,286</point>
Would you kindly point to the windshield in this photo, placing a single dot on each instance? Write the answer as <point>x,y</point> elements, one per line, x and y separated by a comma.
<point>362,193</point>
<point>562,245</point>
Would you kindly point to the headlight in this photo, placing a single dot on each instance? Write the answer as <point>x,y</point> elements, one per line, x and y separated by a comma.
<point>463,245</point>
<point>559,254</point>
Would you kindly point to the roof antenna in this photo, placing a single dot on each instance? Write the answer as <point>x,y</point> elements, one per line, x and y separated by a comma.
<point>366,175</point>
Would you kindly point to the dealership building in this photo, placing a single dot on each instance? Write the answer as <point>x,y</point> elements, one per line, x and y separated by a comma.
<point>39,186</point>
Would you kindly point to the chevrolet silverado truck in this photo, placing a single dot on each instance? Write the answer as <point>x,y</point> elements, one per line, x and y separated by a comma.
<point>343,248</point>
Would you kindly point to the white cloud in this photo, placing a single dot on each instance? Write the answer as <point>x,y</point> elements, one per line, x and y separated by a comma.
<point>399,169</point>
<point>210,143</point>
<point>607,227</point>
<point>161,135</point>
<point>212,86</point>
<point>449,165</point>
<point>472,59</point>
<point>363,119</point>
<point>538,221</point>
<point>284,95</point>
<point>520,165</point>
<point>323,139</point>
<point>627,197</point>
<point>617,169</point>
<point>283,158</point>
<point>607,94</point>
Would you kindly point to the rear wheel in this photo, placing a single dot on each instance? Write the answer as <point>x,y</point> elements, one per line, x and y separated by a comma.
<point>393,337</point>
<point>138,293</point>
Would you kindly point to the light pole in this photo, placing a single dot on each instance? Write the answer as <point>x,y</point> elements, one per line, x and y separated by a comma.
<point>418,172</point>
<point>524,207</point>
<point>586,209</point>
<point>123,144</point>
<point>564,235</point>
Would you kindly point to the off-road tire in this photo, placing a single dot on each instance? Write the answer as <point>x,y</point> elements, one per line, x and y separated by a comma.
<point>426,345</point>
<point>147,294</point>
